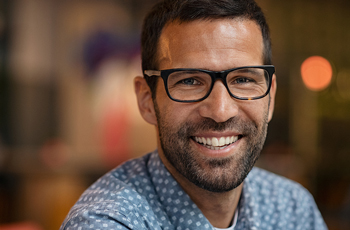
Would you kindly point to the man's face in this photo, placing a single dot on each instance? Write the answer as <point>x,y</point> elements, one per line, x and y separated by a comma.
<point>213,143</point>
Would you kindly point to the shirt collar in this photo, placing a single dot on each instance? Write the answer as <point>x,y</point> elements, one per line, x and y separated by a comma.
<point>178,206</point>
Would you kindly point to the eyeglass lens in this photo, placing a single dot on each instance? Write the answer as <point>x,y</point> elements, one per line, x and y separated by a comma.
<point>194,85</point>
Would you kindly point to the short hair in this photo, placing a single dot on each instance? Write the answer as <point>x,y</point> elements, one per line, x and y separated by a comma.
<point>167,11</point>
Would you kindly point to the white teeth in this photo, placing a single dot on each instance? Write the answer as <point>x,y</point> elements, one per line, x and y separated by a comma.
<point>222,141</point>
<point>208,141</point>
<point>234,139</point>
<point>228,140</point>
<point>216,143</point>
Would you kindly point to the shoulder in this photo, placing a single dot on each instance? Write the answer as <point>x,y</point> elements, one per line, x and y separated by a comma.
<point>266,180</point>
<point>116,199</point>
<point>276,189</point>
<point>123,181</point>
<point>277,201</point>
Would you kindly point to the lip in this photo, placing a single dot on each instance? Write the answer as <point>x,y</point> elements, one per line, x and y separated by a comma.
<point>216,134</point>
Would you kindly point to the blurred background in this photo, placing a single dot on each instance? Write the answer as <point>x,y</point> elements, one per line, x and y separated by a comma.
<point>68,112</point>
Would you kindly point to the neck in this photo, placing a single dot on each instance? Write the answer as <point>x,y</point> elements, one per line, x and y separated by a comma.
<point>218,208</point>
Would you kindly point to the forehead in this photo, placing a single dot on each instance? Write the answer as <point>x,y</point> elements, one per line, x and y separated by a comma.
<point>205,43</point>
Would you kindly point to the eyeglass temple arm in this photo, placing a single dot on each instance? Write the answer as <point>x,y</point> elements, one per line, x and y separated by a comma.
<point>152,73</point>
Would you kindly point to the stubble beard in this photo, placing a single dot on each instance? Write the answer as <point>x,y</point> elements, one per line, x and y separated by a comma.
<point>214,175</point>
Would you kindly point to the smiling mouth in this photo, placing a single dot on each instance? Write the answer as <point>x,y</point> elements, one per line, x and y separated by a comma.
<point>216,143</point>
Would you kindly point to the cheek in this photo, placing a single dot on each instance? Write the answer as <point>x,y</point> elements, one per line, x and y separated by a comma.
<point>256,111</point>
<point>172,112</point>
<point>167,113</point>
<point>176,114</point>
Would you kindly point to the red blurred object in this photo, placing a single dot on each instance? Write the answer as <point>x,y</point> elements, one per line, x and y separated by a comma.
<point>316,73</point>
<point>115,136</point>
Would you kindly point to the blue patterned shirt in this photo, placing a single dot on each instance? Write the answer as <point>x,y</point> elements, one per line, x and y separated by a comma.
<point>142,194</point>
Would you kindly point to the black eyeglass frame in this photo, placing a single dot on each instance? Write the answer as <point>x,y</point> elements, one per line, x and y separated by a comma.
<point>215,75</point>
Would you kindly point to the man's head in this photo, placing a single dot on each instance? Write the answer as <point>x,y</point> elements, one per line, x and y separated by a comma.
<point>212,143</point>
<point>169,11</point>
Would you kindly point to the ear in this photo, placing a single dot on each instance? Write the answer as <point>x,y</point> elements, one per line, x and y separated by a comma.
<point>144,100</point>
<point>272,97</point>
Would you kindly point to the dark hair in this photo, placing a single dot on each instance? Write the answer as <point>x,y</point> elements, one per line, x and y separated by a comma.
<point>190,10</point>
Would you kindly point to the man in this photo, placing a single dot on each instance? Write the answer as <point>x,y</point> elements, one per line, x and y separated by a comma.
<point>209,89</point>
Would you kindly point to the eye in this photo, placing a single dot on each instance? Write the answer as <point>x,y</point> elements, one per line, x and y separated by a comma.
<point>189,81</point>
<point>242,80</point>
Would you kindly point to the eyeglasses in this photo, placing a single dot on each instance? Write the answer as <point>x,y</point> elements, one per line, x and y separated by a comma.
<point>192,85</point>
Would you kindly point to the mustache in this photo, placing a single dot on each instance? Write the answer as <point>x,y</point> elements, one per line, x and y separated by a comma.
<point>207,124</point>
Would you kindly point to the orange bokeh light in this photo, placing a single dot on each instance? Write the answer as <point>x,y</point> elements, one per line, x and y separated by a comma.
<point>316,73</point>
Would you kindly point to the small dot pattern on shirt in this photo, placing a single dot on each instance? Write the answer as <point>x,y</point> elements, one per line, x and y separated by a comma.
<point>141,194</point>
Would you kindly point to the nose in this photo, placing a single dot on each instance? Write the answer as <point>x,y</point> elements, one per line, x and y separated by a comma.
<point>219,105</point>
